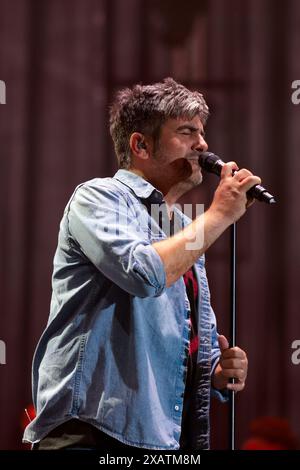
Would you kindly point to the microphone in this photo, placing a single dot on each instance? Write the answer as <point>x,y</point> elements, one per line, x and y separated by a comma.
<point>213,164</point>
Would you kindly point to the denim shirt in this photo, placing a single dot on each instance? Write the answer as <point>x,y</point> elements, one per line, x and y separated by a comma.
<point>114,350</point>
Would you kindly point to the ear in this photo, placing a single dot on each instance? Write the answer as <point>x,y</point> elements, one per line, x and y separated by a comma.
<point>138,145</point>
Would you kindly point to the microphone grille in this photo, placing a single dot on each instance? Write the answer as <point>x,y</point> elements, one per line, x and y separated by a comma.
<point>208,160</point>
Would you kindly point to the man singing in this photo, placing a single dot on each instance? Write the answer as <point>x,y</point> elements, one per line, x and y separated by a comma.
<point>130,355</point>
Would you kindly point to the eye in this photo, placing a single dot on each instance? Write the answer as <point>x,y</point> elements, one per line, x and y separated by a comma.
<point>186,132</point>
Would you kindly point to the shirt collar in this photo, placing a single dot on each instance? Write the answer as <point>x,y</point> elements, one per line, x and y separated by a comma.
<point>142,188</point>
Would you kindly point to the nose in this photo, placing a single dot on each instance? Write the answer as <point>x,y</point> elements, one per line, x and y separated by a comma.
<point>200,144</point>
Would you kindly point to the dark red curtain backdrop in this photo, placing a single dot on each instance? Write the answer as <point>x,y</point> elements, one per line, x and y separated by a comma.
<point>61,61</point>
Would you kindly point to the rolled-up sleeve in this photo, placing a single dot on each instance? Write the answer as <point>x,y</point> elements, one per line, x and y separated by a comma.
<point>104,224</point>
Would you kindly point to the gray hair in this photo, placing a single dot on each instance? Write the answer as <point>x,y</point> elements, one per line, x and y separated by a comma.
<point>144,108</point>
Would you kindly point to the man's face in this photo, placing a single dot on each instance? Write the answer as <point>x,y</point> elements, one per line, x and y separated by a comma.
<point>176,158</point>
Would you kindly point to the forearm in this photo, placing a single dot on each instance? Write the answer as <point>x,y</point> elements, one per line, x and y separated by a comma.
<point>229,204</point>
<point>179,253</point>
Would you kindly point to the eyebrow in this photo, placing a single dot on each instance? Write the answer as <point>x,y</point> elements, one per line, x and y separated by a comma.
<point>191,128</point>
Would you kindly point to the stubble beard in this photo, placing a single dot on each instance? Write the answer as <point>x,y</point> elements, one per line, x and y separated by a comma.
<point>181,174</point>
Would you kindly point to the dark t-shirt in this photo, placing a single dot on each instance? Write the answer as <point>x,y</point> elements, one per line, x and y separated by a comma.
<point>188,412</point>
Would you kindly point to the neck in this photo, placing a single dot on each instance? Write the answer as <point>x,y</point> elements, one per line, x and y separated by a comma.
<point>171,193</point>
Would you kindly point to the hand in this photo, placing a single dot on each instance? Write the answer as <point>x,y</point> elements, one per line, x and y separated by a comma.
<point>230,199</point>
<point>233,362</point>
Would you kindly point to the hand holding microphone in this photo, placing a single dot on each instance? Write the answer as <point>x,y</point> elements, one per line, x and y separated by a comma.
<point>213,164</point>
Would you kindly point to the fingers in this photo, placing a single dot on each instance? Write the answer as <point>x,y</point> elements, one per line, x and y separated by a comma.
<point>235,363</point>
<point>235,352</point>
<point>239,375</point>
<point>236,367</point>
<point>236,387</point>
<point>228,169</point>
<point>240,175</point>
<point>249,181</point>
<point>243,176</point>
<point>234,373</point>
<point>246,179</point>
<point>231,198</point>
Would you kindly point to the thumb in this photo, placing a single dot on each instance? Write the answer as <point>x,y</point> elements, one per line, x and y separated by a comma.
<point>223,343</point>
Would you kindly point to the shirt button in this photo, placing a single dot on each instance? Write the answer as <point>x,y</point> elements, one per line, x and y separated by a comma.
<point>176,408</point>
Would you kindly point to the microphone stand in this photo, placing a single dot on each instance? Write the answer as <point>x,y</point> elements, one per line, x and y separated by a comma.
<point>232,331</point>
<point>213,164</point>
